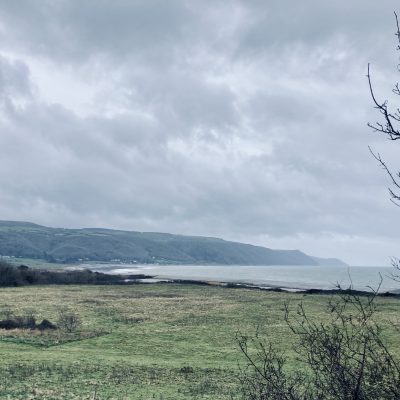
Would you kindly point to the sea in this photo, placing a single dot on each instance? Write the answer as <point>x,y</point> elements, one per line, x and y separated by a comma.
<point>286,277</point>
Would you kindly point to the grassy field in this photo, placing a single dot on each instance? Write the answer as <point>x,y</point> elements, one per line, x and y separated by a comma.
<point>163,341</point>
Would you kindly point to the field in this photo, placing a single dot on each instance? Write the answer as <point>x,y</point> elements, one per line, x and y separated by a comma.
<point>159,341</point>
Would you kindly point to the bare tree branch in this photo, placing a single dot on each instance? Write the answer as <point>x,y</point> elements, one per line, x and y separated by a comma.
<point>394,197</point>
<point>388,126</point>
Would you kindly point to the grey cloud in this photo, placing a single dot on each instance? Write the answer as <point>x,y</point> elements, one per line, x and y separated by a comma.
<point>68,29</point>
<point>278,23</point>
<point>74,31</point>
<point>15,81</point>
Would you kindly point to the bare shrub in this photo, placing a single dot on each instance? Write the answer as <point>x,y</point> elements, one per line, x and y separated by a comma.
<point>68,321</point>
<point>344,357</point>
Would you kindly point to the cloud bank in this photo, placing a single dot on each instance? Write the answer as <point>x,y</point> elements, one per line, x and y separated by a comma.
<point>244,120</point>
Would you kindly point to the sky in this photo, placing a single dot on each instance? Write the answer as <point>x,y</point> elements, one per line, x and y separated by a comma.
<point>242,119</point>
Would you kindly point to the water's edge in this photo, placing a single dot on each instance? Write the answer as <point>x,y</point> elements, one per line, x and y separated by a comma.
<point>290,278</point>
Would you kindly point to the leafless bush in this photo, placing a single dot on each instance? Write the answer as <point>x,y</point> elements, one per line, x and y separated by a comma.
<point>68,321</point>
<point>344,357</point>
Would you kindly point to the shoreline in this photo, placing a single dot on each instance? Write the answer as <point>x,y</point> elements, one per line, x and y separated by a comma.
<point>288,278</point>
<point>271,288</point>
<point>23,275</point>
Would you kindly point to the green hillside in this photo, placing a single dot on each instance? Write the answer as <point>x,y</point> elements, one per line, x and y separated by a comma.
<point>24,239</point>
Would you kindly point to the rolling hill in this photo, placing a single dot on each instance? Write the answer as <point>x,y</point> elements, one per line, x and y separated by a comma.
<point>25,239</point>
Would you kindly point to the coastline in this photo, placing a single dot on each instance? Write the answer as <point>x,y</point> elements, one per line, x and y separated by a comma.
<point>271,288</point>
<point>286,277</point>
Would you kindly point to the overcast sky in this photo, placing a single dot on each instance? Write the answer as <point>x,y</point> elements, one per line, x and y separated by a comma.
<point>244,120</point>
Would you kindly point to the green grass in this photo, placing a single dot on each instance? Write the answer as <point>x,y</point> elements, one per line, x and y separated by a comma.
<point>146,341</point>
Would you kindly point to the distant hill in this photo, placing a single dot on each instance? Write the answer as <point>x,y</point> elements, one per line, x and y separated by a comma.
<point>25,239</point>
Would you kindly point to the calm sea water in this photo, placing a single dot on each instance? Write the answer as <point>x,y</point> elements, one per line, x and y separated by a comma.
<point>294,277</point>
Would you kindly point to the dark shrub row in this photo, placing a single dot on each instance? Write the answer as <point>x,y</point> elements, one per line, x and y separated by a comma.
<point>26,322</point>
<point>21,276</point>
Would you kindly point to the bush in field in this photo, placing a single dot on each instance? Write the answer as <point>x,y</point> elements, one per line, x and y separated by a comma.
<point>27,321</point>
<point>68,320</point>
